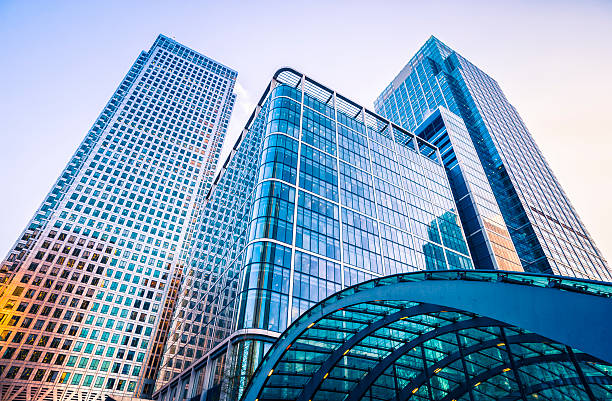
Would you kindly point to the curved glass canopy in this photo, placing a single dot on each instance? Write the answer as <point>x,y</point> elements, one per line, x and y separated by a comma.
<point>489,337</point>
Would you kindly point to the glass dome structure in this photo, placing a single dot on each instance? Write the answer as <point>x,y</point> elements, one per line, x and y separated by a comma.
<point>447,335</point>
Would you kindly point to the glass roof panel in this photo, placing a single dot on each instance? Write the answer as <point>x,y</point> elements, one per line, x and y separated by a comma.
<point>393,351</point>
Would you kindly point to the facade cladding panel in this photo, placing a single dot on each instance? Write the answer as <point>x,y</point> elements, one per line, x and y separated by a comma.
<point>319,194</point>
<point>488,238</point>
<point>545,229</point>
<point>88,289</point>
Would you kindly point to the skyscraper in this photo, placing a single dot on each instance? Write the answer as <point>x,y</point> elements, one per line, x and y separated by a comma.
<point>545,229</point>
<point>319,194</point>
<point>88,290</point>
<point>487,235</point>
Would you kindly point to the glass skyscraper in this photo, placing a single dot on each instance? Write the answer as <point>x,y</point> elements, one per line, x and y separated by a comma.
<point>486,232</point>
<point>88,290</point>
<point>545,229</point>
<point>319,194</point>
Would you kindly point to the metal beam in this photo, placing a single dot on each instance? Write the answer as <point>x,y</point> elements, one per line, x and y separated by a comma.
<point>315,382</point>
<point>367,381</point>
<point>489,373</point>
<point>463,365</point>
<point>515,371</point>
<point>574,381</point>
<point>520,338</point>
<point>578,368</point>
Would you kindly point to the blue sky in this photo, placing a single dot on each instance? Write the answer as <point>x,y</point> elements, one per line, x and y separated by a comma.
<point>61,61</point>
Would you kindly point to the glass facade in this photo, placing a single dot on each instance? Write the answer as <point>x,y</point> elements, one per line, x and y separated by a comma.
<point>487,236</point>
<point>88,290</point>
<point>545,229</point>
<point>318,195</point>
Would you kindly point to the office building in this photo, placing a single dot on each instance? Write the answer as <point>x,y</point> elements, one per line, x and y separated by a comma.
<point>88,290</point>
<point>487,236</point>
<point>318,194</point>
<point>546,231</point>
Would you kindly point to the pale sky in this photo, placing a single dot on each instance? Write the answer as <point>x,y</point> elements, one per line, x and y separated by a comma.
<point>61,62</point>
